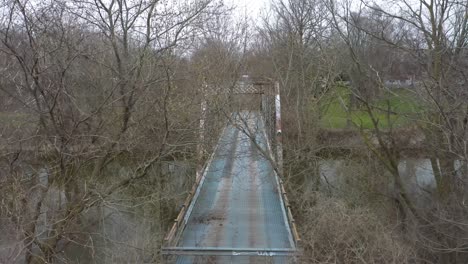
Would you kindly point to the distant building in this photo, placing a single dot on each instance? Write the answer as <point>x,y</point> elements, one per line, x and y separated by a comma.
<point>403,83</point>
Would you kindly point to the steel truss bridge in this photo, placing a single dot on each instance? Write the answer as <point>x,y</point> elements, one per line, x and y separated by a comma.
<point>237,210</point>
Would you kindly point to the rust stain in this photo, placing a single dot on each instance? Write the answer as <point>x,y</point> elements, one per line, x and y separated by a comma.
<point>218,217</point>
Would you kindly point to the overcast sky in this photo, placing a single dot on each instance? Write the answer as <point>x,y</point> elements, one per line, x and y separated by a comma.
<point>251,7</point>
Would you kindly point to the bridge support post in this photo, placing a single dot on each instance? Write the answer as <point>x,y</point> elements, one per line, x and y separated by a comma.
<point>201,137</point>
<point>279,136</point>
<point>201,133</point>
<point>279,161</point>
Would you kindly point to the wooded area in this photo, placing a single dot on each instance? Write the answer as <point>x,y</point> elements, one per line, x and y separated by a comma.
<point>101,139</point>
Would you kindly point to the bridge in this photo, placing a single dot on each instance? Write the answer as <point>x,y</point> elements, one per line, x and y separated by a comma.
<point>237,210</point>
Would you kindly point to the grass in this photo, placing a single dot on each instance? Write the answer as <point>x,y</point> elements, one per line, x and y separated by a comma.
<point>401,103</point>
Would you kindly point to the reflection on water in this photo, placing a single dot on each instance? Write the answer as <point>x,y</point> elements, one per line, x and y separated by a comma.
<point>417,174</point>
<point>128,228</point>
<point>124,228</point>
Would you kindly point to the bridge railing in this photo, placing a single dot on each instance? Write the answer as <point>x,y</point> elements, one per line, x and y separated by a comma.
<point>271,112</point>
<point>180,221</point>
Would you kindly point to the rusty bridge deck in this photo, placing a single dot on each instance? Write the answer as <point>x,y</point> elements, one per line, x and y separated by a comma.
<point>237,214</point>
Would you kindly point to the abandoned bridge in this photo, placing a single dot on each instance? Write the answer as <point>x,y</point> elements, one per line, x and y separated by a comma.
<point>237,211</point>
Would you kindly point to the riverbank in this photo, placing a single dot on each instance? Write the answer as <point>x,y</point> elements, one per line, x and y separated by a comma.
<point>410,142</point>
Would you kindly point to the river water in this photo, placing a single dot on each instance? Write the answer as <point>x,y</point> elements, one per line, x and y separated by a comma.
<point>126,228</point>
<point>417,174</point>
<point>121,232</point>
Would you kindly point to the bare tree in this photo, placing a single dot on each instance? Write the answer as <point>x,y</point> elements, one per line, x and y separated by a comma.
<point>428,33</point>
<point>98,81</point>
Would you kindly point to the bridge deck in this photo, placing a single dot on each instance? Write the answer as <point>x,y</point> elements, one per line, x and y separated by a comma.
<point>238,209</point>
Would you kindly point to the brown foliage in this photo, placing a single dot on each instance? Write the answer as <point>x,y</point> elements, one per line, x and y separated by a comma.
<point>336,233</point>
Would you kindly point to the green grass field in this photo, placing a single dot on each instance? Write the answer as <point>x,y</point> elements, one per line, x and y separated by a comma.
<point>401,103</point>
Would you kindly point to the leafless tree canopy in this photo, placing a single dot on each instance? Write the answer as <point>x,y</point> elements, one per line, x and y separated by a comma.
<point>101,138</point>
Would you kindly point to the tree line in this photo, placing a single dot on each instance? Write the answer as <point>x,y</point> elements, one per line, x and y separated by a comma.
<point>86,85</point>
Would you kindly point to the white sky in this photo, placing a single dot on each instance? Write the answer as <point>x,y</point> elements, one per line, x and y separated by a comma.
<point>250,7</point>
